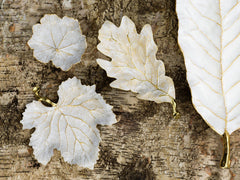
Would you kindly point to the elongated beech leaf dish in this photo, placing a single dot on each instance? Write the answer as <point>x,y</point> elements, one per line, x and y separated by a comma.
<point>209,35</point>
<point>134,63</point>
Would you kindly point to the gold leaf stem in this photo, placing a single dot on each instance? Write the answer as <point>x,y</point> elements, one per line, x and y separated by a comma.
<point>36,90</point>
<point>225,162</point>
<point>176,114</point>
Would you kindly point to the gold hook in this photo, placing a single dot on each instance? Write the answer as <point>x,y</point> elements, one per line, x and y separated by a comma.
<point>225,162</point>
<point>176,114</point>
<point>36,90</point>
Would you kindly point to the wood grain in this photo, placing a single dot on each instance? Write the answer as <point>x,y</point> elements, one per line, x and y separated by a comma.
<point>147,143</point>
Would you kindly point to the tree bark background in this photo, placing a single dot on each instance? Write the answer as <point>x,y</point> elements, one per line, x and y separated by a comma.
<point>146,143</point>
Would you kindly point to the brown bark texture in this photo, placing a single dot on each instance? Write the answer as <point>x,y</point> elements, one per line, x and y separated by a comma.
<point>146,143</point>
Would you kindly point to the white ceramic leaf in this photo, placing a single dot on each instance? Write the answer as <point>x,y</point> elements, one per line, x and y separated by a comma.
<point>59,40</point>
<point>209,35</point>
<point>134,63</point>
<point>70,125</point>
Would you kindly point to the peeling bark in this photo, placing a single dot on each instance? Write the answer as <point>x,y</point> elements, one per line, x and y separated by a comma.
<point>147,143</point>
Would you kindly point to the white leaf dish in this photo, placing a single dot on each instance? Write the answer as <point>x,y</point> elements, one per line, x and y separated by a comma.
<point>209,35</point>
<point>70,125</point>
<point>59,40</point>
<point>211,46</point>
<point>134,63</point>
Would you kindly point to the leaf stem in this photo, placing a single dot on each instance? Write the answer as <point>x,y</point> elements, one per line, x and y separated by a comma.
<point>36,90</point>
<point>225,162</point>
<point>176,114</point>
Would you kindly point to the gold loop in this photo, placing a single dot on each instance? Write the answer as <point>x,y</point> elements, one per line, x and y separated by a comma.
<point>176,114</point>
<point>225,162</point>
<point>36,90</point>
